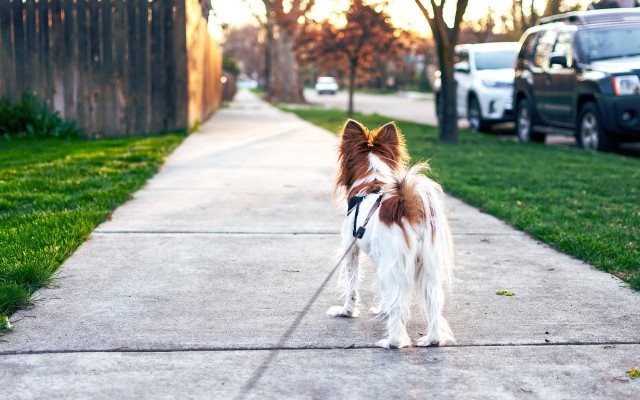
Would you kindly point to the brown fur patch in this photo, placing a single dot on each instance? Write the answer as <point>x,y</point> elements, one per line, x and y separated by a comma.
<point>357,142</point>
<point>365,188</point>
<point>403,204</point>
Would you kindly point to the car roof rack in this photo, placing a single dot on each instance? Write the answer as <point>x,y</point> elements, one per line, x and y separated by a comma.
<point>594,16</point>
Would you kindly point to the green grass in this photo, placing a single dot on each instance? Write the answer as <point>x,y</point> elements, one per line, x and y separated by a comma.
<point>582,203</point>
<point>53,192</point>
<point>376,91</point>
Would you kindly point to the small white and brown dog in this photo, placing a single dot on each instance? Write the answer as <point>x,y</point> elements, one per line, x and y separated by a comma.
<point>408,236</point>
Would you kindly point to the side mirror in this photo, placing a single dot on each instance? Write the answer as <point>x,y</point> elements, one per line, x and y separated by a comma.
<point>558,59</point>
<point>462,66</point>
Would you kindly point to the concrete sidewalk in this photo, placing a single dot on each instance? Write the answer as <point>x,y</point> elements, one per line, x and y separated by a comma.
<point>188,290</point>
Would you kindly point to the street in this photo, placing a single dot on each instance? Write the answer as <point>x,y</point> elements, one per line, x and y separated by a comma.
<point>408,106</point>
<point>420,108</point>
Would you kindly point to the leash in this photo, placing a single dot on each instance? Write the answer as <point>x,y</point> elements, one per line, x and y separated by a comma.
<point>261,370</point>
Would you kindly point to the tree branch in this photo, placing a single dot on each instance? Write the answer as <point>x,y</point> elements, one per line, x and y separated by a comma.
<point>427,16</point>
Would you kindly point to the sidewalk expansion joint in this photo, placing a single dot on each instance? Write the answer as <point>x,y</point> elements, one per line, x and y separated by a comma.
<point>192,232</point>
<point>305,348</point>
<point>185,232</point>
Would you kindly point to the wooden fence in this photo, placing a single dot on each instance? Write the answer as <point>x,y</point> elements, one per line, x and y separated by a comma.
<point>117,67</point>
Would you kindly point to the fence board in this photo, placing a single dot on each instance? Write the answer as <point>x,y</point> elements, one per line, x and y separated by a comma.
<point>142,68</point>
<point>6,49</point>
<point>131,77</point>
<point>19,48</point>
<point>109,122</point>
<point>44,52</point>
<point>56,31</point>
<point>157,76</point>
<point>70,65</point>
<point>120,54</point>
<point>31,44</point>
<point>84,66</point>
<point>117,67</point>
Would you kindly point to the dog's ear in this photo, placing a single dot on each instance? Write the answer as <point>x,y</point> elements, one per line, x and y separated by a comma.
<point>353,130</point>
<point>388,134</point>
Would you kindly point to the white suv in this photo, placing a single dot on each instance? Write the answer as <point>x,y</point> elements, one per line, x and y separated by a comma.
<point>326,84</point>
<point>484,75</point>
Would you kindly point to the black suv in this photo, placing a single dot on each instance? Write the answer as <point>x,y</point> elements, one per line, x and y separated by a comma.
<point>579,74</point>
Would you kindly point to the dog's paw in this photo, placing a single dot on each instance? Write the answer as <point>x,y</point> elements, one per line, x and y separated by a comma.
<point>376,309</point>
<point>433,340</point>
<point>339,311</point>
<point>396,343</point>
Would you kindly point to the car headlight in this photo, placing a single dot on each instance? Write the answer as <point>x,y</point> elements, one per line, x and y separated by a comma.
<point>626,84</point>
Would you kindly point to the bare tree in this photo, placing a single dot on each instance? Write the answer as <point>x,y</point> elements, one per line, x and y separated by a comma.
<point>366,40</point>
<point>247,43</point>
<point>283,26</point>
<point>446,38</point>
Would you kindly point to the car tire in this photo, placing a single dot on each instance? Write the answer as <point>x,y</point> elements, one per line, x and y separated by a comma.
<point>474,113</point>
<point>590,132</point>
<point>524,124</point>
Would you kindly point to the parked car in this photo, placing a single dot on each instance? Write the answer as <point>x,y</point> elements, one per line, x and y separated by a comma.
<point>326,84</point>
<point>247,83</point>
<point>579,74</point>
<point>484,76</point>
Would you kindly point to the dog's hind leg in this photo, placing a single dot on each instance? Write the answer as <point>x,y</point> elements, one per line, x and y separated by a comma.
<point>349,275</point>
<point>432,300</point>
<point>396,286</point>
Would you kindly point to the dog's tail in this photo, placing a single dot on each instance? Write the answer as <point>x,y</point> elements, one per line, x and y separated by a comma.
<point>434,264</point>
<point>419,201</point>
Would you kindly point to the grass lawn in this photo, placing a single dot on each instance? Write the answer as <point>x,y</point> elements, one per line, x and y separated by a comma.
<point>584,204</point>
<point>53,192</point>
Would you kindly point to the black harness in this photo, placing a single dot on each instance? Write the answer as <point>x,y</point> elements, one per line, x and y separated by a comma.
<point>354,202</point>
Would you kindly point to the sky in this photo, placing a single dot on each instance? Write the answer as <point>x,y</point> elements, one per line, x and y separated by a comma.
<point>404,13</point>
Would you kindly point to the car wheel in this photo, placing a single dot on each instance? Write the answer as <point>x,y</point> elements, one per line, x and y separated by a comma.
<point>524,124</point>
<point>590,133</point>
<point>476,122</point>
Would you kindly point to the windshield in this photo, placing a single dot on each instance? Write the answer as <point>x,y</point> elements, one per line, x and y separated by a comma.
<point>605,43</point>
<point>495,59</point>
<point>326,79</point>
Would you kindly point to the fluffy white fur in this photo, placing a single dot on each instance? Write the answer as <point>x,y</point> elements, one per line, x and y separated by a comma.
<point>421,266</point>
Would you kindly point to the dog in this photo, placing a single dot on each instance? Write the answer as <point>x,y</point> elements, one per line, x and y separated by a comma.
<point>408,236</point>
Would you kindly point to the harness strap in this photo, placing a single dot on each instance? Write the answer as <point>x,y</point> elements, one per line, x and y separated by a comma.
<point>358,233</point>
<point>356,200</point>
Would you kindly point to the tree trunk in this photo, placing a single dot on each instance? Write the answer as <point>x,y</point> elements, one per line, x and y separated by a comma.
<point>449,117</point>
<point>352,86</point>
<point>553,7</point>
<point>268,54</point>
<point>286,85</point>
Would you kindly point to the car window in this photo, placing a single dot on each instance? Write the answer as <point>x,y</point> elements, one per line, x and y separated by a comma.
<point>564,45</point>
<point>528,46</point>
<point>498,59</point>
<point>609,42</point>
<point>543,49</point>
<point>461,56</point>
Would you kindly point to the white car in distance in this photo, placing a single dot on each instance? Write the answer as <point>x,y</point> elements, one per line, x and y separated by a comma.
<point>484,75</point>
<point>326,84</point>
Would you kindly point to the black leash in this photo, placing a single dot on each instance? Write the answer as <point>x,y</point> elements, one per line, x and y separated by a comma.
<point>261,370</point>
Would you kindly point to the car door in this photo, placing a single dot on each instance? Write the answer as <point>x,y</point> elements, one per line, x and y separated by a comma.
<point>541,80</point>
<point>562,78</point>
<point>462,69</point>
